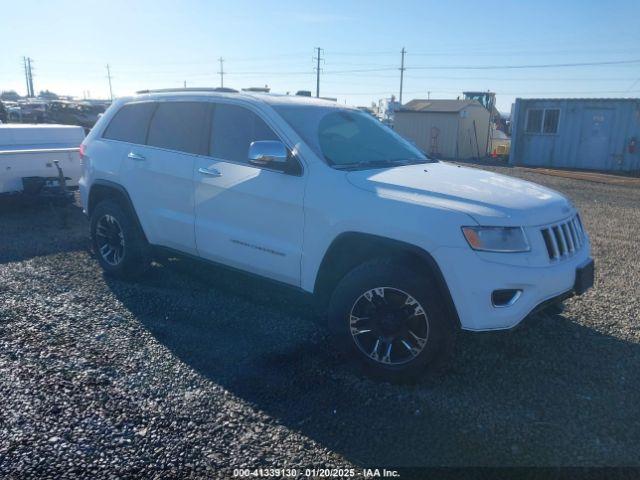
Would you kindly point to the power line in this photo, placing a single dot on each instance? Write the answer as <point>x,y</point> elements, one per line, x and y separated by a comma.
<point>249,73</point>
<point>496,79</point>
<point>270,57</point>
<point>502,52</point>
<point>364,53</point>
<point>457,92</point>
<point>375,73</point>
<point>547,65</point>
<point>633,85</point>
<point>487,67</point>
<point>390,68</point>
<point>368,71</point>
<point>461,50</point>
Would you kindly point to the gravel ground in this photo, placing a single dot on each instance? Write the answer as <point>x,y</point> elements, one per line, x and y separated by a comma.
<point>195,370</point>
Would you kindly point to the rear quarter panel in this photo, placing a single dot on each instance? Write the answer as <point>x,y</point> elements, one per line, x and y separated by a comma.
<point>102,158</point>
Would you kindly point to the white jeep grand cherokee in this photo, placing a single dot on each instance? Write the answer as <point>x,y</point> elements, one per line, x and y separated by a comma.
<point>402,249</point>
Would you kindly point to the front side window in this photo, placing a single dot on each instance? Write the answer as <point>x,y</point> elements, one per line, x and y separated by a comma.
<point>232,131</point>
<point>130,123</point>
<point>542,120</point>
<point>180,126</point>
<point>349,138</point>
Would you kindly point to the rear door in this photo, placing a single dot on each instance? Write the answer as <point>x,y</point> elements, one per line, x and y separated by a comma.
<point>247,216</point>
<point>159,174</point>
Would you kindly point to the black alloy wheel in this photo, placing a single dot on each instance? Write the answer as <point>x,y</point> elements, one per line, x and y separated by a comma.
<point>110,240</point>
<point>389,326</point>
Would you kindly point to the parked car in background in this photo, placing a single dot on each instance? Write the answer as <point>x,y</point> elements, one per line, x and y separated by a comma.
<point>3,113</point>
<point>402,250</point>
<point>32,111</point>
<point>74,113</point>
<point>13,111</point>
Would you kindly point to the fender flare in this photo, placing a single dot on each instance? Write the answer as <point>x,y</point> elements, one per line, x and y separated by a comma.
<point>124,195</point>
<point>401,247</point>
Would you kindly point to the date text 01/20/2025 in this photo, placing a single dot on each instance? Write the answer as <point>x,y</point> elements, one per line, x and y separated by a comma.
<point>315,472</point>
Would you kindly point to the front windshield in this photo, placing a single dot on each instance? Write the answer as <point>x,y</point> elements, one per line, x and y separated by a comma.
<point>349,138</point>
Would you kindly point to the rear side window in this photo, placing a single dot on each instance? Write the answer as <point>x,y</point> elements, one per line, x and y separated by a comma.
<point>233,130</point>
<point>180,126</point>
<point>130,123</point>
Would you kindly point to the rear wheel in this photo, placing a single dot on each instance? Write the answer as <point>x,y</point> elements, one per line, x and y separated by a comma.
<point>117,241</point>
<point>392,320</point>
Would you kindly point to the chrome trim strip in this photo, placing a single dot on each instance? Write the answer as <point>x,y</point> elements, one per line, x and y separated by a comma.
<point>554,244</point>
<point>42,150</point>
<point>567,236</point>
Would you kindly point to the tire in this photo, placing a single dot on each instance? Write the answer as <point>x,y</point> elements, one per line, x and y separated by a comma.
<point>110,222</point>
<point>373,294</point>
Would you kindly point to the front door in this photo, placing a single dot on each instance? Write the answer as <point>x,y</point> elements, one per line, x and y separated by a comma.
<point>247,217</point>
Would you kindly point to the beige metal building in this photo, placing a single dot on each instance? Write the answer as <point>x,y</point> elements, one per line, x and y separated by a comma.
<point>449,129</point>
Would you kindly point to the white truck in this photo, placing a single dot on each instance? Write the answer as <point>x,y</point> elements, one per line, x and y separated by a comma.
<point>402,249</point>
<point>28,156</point>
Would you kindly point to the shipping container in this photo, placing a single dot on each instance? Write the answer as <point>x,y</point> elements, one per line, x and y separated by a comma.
<point>576,133</point>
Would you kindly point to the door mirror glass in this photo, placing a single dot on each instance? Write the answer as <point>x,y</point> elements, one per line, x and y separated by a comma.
<point>268,152</point>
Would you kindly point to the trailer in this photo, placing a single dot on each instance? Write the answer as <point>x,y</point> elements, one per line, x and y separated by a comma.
<point>39,159</point>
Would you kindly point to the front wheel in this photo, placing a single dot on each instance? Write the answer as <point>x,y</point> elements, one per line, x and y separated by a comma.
<point>392,320</point>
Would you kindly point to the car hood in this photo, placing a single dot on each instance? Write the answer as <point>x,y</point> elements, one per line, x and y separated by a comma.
<point>490,198</point>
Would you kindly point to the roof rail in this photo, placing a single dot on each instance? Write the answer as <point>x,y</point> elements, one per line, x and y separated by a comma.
<point>190,89</point>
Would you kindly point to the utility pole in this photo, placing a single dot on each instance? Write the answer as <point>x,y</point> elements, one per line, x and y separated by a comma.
<point>185,84</point>
<point>109,77</point>
<point>221,72</point>
<point>26,76</point>
<point>318,58</point>
<point>33,92</point>
<point>402,69</point>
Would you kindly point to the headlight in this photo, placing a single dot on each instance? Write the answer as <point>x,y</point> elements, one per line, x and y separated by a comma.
<point>497,239</point>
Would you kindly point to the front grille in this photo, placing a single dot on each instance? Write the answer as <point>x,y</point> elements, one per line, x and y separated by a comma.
<point>564,239</point>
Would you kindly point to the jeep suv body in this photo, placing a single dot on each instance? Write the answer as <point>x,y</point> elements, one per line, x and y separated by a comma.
<point>402,249</point>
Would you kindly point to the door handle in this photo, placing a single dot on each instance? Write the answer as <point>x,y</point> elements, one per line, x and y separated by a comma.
<point>210,171</point>
<point>136,156</point>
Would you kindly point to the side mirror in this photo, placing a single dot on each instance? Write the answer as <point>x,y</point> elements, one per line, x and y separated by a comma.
<point>268,152</point>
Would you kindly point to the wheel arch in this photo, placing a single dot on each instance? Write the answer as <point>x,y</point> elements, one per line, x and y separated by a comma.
<point>105,189</point>
<point>350,249</point>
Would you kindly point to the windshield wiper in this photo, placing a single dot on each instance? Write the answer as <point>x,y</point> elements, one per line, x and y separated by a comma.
<point>370,163</point>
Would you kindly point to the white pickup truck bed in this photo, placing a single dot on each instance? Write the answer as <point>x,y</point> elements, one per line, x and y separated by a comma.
<point>30,150</point>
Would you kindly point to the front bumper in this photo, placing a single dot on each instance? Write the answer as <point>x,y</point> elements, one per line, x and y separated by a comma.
<point>472,278</point>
